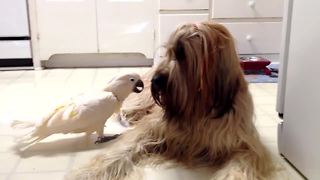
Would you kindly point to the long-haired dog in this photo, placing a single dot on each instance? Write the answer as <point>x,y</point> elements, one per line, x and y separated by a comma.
<point>197,114</point>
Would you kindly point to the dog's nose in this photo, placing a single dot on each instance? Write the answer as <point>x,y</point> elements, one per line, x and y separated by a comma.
<point>159,81</point>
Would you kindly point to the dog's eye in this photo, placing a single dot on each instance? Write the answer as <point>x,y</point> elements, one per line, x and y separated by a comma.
<point>131,79</point>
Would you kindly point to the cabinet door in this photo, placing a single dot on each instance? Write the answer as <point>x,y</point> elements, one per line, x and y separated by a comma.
<point>126,26</point>
<point>66,26</point>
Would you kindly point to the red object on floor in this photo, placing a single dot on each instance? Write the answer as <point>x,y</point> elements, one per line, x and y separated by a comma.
<point>255,64</point>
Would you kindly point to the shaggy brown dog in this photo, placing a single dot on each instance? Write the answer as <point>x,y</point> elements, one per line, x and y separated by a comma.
<point>203,117</point>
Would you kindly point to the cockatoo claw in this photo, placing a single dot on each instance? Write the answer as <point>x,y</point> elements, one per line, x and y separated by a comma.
<point>106,139</point>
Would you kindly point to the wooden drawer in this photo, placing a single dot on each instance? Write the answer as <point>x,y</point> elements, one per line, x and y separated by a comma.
<point>183,4</point>
<point>247,8</point>
<point>169,22</point>
<point>256,38</point>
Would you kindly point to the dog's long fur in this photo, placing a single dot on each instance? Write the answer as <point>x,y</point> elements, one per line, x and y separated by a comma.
<point>203,116</point>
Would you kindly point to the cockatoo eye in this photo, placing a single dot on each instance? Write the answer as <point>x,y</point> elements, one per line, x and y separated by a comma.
<point>131,79</point>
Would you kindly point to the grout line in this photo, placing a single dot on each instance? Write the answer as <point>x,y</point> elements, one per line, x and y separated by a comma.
<point>6,135</point>
<point>15,79</point>
<point>38,172</point>
<point>68,78</point>
<point>94,77</point>
<point>71,162</point>
<point>6,175</point>
<point>11,82</point>
<point>12,172</point>
<point>259,126</point>
<point>46,72</point>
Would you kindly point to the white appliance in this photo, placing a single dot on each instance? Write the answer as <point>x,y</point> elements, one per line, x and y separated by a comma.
<point>299,87</point>
<point>15,50</point>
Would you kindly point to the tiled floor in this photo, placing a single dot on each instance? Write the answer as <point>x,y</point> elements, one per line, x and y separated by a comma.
<point>26,95</point>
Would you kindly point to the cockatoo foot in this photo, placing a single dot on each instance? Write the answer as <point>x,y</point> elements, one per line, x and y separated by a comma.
<point>106,139</point>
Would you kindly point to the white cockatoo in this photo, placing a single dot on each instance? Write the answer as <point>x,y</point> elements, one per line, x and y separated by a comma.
<point>86,113</point>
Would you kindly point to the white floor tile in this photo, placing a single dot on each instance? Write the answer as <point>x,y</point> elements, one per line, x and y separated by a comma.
<point>39,164</point>
<point>11,75</point>
<point>268,108</point>
<point>257,91</point>
<point>265,100</point>
<point>59,73</point>
<point>259,111</point>
<point>268,134</point>
<point>293,174</point>
<point>4,176</point>
<point>38,176</point>
<point>161,173</point>
<point>7,144</point>
<point>265,121</point>
<point>273,148</point>
<point>5,129</point>
<point>144,70</point>
<point>32,76</point>
<point>130,70</point>
<point>81,158</point>
<point>8,162</point>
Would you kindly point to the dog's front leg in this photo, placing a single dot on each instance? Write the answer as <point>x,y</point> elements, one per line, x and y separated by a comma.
<point>117,162</point>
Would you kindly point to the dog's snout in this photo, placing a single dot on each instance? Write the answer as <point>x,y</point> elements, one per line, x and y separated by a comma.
<point>159,81</point>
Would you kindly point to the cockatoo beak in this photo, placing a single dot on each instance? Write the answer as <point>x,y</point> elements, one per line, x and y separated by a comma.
<point>138,87</point>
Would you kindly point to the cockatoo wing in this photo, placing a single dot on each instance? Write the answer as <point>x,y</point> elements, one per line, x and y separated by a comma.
<point>82,114</point>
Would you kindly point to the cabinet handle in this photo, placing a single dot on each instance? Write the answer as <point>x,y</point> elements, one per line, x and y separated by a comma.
<point>252,4</point>
<point>249,38</point>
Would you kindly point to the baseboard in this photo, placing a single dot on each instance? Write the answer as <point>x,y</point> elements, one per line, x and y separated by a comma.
<point>93,60</point>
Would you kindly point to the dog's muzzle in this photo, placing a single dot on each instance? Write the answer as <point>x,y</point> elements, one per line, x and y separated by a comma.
<point>158,82</point>
<point>158,87</point>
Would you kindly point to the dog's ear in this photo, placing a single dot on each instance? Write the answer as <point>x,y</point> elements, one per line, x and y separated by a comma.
<point>179,50</point>
<point>224,95</point>
<point>228,76</point>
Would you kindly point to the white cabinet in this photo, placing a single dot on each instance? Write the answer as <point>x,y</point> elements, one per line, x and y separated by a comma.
<point>126,26</point>
<point>141,26</point>
<point>95,26</point>
<point>246,8</point>
<point>255,24</point>
<point>13,18</point>
<point>256,37</point>
<point>15,49</point>
<point>174,13</point>
<point>183,4</point>
<point>66,27</point>
<point>169,22</point>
